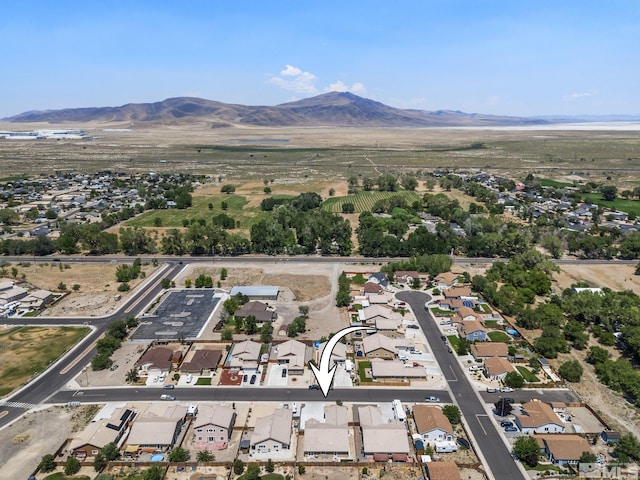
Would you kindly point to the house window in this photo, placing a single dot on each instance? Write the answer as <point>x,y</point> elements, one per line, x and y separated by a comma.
<point>94,452</point>
<point>211,439</point>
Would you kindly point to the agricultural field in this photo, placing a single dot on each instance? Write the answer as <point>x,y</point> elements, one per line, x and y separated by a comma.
<point>621,204</point>
<point>19,360</point>
<point>363,201</point>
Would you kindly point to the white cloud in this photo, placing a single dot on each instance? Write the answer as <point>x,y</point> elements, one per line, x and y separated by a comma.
<point>295,79</point>
<point>577,95</point>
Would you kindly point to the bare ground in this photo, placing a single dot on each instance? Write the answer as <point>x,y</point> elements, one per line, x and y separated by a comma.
<point>24,442</point>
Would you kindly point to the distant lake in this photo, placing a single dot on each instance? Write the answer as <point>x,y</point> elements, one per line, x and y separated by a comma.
<point>258,140</point>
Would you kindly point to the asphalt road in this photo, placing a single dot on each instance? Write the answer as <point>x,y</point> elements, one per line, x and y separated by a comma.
<point>482,426</point>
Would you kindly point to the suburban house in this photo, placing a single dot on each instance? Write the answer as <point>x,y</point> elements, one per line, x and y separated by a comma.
<point>37,299</point>
<point>377,299</point>
<point>156,429</point>
<point>379,346</point>
<point>432,425</point>
<point>11,293</point>
<point>260,311</point>
<point>484,350</point>
<point>155,361</point>
<point>244,355</point>
<point>294,354</point>
<point>472,330</point>
<point>97,434</point>
<point>375,312</point>
<point>338,354</point>
<point>381,369</point>
<point>379,278</point>
<point>461,292</point>
<point>465,314</point>
<point>454,304</point>
<point>446,280</point>
<point>563,449</point>
<point>388,326</point>
<point>201,362</point>
<point>372,288</point>
<point>257,292</point>
<point>443,471</point>
<point>409,276</point>
<point>273,432</point>
<point>329,437</point>
<point>538,417</point>
<point>381,439</point>
<point>496,368</point>
<point>213,427</point>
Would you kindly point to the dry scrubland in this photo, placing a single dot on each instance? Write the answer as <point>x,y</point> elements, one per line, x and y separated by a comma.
<point>304,155</point>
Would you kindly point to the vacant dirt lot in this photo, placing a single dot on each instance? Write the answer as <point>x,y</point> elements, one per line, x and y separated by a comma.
<point>615,277</point>
<point>97,285</point>
<point>23,443</point>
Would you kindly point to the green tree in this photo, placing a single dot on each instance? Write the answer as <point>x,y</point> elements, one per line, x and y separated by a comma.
<point>238,466</point>
<point>228,188</point>
<point>110,451</point>
<point>266,333</point>
<point>227,334</point>
<point>205,456</point>
<point>627,448</point>
<point>156,472</point>
<point>165,283</point>
<point>270,467</point>
<point>304,310</point>
<point>597,355</point>
<point>253,472</point>
<point>47,463</point>
<point>348,207</point>
<point>132,376</point>
<point>101,361</point>
<point>99,462</point>
<point>571,371</point>
<point>71,466</point>
<point>452,412</point>
<point>609,192</point>
<point>514,380</point>
<point>527,450</point>
<point>178,454</point>
<point>301,469</point>
<point>587,457</point>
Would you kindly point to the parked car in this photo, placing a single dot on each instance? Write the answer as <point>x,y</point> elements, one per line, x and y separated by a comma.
<point>168,387</point>
<point>511,429</point>
<point>167,397</point>
<point>245,379</point>
<point>509,400</point>
<point>492,390</point>
<point>443,338</point>
<point>253,379</point>
<point>506,423</point>
<point>432,399</point>
<point>463,442</point>
<point>506,389</point>
<point>413,326</point>
<point>284,372</point>
<point>314,386</point>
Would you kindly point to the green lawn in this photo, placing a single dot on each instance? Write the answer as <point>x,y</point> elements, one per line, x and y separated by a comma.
<point>628,206</point>
<point>491,323</point>
<point>26,351</point>
<point>527,374</point>
<point>362,366</point>
<point>266,476</point>
<point>172,217</point>
<point>62,476</point>
<point>363,201</point>
<point>483,307</point>
<point>454,340</point>
<point>203,381</point>
<point>441,313</point>
<point>497,336</point>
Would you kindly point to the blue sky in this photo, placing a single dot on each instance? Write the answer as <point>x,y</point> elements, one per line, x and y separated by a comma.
<point>513,57</point>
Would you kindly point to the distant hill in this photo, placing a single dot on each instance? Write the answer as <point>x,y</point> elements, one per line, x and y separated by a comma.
<point>338,109</point>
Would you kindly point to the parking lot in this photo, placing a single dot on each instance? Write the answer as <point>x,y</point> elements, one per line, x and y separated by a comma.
<point>181,315</point>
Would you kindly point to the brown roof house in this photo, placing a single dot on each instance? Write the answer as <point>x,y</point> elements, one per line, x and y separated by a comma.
<point>97,434</point>
<point>496,368</point>
<point>482,350</point>
<point>155,361</point>
<point>538,417</point>
<point>563,449</point>
<point>244,355</point>
<point>294,354</point>
<point>338,354</point>
<point>329,437</point>
<point>381,439</point>
<point>432,425</point>
<point>458,292</point>
<point>446,280</point>
<point>406,276</point>
<point>443,471</point>
<point>272,433</point>
<point>156,429</point>
<point>201,362</point>
<point>260,311</point>
<point>372,287</point>
<point>213,427</point>
<point>379,346</point>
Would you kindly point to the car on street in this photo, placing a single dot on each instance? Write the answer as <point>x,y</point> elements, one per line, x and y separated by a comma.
<point>167,397</point>
<point>314,386</point>
<point>168,387</point>
<point>492,390</point>
<point>443,338</point>
<point>506,423</point>
<point>506,389</point>
<point>511,429</point>
<point>432,399</point>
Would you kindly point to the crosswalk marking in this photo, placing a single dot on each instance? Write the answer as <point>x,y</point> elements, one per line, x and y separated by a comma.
<point>26,406</point>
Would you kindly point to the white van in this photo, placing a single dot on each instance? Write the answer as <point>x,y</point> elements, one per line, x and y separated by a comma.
<point>167,397</point>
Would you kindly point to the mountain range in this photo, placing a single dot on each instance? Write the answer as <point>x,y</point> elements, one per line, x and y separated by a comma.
<point>339,109</point>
